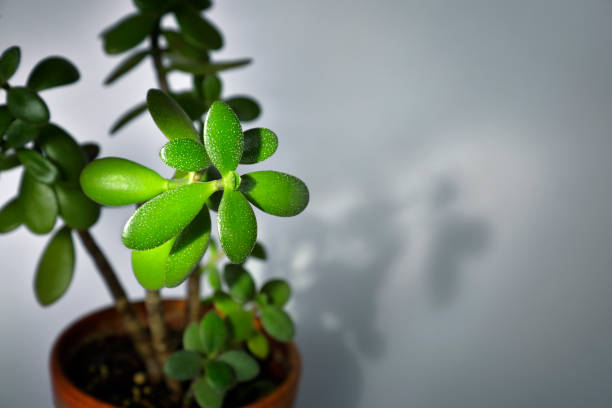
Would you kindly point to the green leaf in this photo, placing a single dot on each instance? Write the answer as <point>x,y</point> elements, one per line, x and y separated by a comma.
<point>247,109</point>
<point>8,162</point>
<point>237,226</point>
<point>63,150</point>
<point>213,202</point>
<point>185,154</point>
<point>9,62</point>
<point>39,205</point>
<point>223,137</point>
<point>178,46</point>
<point>240,282</point>
<point>150,266</point>
<point>194,66</point>
<point>76,208</point>
<point>259,251</point>
<point>212,88</point>
<point>54,272</point>
<point>126,65</point>
<point>213,333</point>
<point>188,249</point>
<point>38,166</point>
<point>127,33</point>
<point>214,280</point>
<point>11,216</point>
<point>219,374</point>
<point>190,104</point>
<point>259,144</point>
<point>278,292</point>
<point>6,117</point>
<point>115,181</point>
<point>206,396</point>
<point>241,324</point>
<point>192,340</point>
<point>201,4</point>
<point>51,72</point>
<point>91,151</point>
<point>277,323</point>
<point>151,5</point>
<point>258,345</point>
<point>169,117</point>
<point>25,104</point>
<point>20,133</point>
<point>183,365</point>
<point>197,30</point>
<point>128,116</point>
<point>275,193</point>
<point>245,367</point>
<point>164,216</point>
<point>224,303</point>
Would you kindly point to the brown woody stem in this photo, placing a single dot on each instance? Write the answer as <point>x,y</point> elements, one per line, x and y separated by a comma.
<point>192,312</point>
<point>158,66</point>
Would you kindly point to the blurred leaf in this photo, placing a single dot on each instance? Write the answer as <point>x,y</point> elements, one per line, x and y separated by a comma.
<point>214,280</point>
<point>190,104</point>
<point>11,216</point>
<point>51,72</point>
<point>126,65</point>
<point>39,205</point>
<point>224,303</point>
<point>259,251</point>
<point>247,109</point>
<point>20,133</point>
<point>244,366</point>
<point>6,117</point>
<point>25,104</point>
<point>240,282</point>
<point>77,210</point>
<point>54,272</point>
<point>219,374</point>
<point>151,5</point>
<point>241,324</point>
<point>181,63</point>
<point>164,216</point>
<point>206,396</point>
<point>150,266</point>
<point>185,154</point>
<point>237,226</point>
<point>179,46</point>
<point>258,345</point>
<point>183,365</point>
<point>127,33</point>
<point>128,116</point>
<point>8,162</point>
<point>114,181</point>
<point>278,292</point>
<point>38,166</point>
<point>277,323</point>
<point>197,30</point>
<point>91,151</point>
<point>213,333</point>
<point>212,88</point>
<point>259,144</point>
<point>169,117</point>
<point>9,62</point>
<point>223,137</point>
<point>63,150</point>
<point>275,193</point>
<point>192,341</point>
<point>201,4</point>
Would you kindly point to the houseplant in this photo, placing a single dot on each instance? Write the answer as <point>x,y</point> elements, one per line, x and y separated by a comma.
<point>230,348</point>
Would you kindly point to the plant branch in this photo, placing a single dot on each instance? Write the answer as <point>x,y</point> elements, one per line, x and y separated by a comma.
<point>192,312</point>
<point>158,65</point>
<point>131,322</point>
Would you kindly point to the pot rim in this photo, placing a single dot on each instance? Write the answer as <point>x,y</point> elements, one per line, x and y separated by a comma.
<point>72,392</point>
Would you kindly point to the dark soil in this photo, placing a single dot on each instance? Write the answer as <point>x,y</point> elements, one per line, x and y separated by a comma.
<point>110,370</point>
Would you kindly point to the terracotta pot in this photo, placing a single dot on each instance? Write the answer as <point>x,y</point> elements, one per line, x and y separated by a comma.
<point>106,322</point>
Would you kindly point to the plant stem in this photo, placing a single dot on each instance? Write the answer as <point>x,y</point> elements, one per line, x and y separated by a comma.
<point>125,309</point>
<point>192,312</point>
<point>158,67</point>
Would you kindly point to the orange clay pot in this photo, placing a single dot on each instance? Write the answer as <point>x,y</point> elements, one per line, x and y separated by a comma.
<point>106,322</point>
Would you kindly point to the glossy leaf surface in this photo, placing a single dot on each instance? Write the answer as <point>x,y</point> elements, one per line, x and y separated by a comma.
<point>20,133</point>
<point>259,144</point>
<point>244,366</point>
<point>9,62</point>
<point>183,365</point>
<point>185,154</point>
<point>25,104</point>
<point>39,205</point>
<point>278,292</point>
<point>55,269</point>
<point>52,72</point>
<point>223,137</point>
<point>197,30</point>
<point>11,216</point>
<point>63,150</point>
<point>247,109</point>
<point>38,166</point>
<point>277,323</point>
<point>150,265</point>
<point>275,193</point>
<point>169,117</point>
<point>237,226</point>
<point>125,66</point>
<point>78,211</point>
<point>127,33</point>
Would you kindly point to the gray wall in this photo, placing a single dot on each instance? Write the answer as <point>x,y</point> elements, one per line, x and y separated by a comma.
<point>456,251</point>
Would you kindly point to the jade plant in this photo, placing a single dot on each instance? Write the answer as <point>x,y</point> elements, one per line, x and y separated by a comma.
<point>228,334</point>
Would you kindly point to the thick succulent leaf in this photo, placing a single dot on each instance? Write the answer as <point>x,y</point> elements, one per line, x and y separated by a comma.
<point>38,166</point>
<point>150,265</point>
<point>244,366</point>
<point>224,303</point>
<point>179,46</point>
<point>185,154</point>
<point>183,365</point>
<point>128,116</point>
<point>212,87</point>
<point>193,66</point>
<point>115,181</point>
<point>164,216</point>
<point>127,33</point>
<point>237,226</point>
<point>54,272</point>
<point>259,144</point>
<point>247,109</point>
<point>51,72</point>
<point>275,193</point>
<point>20,133</point>
<point>11,216</point>
<point>63,151</point>
<point>169,117</point>
<point>126,65</point>
<point>207,396</point>
<point>9,62</point>
<point>39,205</point>
<point>213,333</point>
<point>25,104</point>
<point>241,324</point>
<point>277,323</point>
<point>259,251</point>
<point>277,291</point>
<point>223,137</point>
<point>215,199</point>
<point>6,117</point>
<point>240,282</point>
<point>219,374</point>
<point>78,211</point>
<point>188,249</point>
<point>258,345</point>
<point>197,30</point>
<point>192,341</point>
